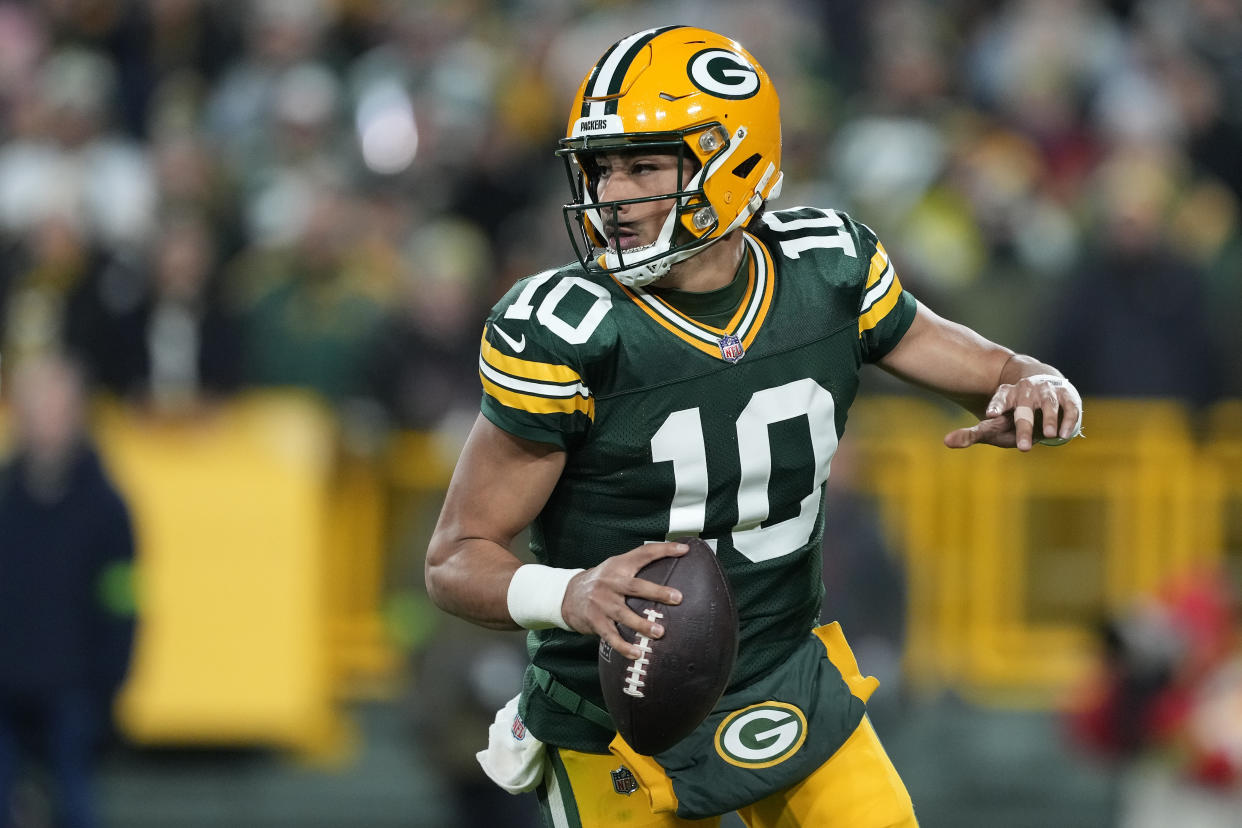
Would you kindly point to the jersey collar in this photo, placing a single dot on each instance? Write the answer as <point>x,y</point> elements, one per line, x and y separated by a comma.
<point>740,331</point>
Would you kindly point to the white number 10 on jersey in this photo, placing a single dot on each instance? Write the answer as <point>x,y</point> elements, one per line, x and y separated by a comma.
<point>681,440</point>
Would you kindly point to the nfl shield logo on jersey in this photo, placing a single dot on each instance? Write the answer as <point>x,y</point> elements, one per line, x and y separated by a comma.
<point>623,781</point>
<point>731,348</point>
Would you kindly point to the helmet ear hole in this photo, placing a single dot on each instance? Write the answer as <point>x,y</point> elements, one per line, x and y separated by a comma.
<point>744,169</point>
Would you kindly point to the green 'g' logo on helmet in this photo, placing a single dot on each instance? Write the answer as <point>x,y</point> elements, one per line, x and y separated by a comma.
<point>761,735</point>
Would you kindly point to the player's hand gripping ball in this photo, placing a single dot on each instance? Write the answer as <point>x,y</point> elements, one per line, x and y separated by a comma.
<point>657,699</point>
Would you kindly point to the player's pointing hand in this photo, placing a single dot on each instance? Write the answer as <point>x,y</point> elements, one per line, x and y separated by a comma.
<point>1042,406</point>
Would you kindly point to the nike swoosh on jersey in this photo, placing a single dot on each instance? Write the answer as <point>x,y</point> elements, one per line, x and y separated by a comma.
<point>518,345</point>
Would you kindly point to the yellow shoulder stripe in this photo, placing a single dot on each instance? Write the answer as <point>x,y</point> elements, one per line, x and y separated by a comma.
<point>879,263</point>
<point>880,309</point>
<point>536,404</point>
<point>525,368</point>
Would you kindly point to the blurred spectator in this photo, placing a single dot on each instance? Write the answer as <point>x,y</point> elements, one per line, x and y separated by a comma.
<point>162,43</point>
<point>64,157</point>
<point>192,180</point>
<point>44,289</point>
<point>1036,61</point>
<point>1200,44</point>
<point>1166,702</point>
<point>1134,320</point>
<point>180,347</point>
<point>66,621</point>
<point>426,364</point>
<point>311,313</point>
<point>274,90</point>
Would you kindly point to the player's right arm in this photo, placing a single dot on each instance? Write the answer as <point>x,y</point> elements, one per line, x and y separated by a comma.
<point>500,484</point>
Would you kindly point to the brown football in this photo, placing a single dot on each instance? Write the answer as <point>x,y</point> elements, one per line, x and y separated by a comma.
<point>658,699</point>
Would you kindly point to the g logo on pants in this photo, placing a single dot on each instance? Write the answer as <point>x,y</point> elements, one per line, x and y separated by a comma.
<point>761,735</point>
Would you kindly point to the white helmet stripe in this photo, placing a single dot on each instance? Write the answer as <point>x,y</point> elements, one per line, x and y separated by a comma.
<point>615,65</point>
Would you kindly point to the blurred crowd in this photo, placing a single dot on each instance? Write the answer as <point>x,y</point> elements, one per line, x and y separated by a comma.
<point>1164,705</point>
<point>201,196</point>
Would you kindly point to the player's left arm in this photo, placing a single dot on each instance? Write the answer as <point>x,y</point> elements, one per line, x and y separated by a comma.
<point>1012,394</point>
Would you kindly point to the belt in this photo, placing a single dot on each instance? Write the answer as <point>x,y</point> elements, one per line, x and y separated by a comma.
<point>570,700</point>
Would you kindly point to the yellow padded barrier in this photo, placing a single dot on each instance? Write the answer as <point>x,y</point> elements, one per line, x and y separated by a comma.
<point>1012,558</point>
<point>364,662</point>
<point>1221,509</point>
<point>229,511</point>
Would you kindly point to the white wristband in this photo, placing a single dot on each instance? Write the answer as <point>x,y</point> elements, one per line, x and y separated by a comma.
<point>535,596</point>
<point>1060,441</point>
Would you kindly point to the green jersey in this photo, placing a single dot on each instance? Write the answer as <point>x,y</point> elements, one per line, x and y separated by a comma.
<point>675,428</point>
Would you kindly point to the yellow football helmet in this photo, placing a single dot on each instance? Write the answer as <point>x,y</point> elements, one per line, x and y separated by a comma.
<point>693,93</point>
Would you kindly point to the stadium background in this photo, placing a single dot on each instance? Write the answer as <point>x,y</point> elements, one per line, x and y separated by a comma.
<point>333,192</point>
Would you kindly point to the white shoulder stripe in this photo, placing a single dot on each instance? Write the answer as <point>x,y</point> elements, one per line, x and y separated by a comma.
<point>878,290</point>
<point>543,389</point>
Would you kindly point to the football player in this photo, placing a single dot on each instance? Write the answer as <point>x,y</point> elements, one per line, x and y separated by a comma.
<point>690,375</point>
